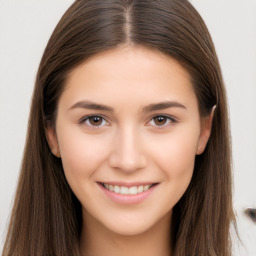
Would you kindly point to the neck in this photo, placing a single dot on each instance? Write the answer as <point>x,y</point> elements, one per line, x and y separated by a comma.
<point>96,240</point>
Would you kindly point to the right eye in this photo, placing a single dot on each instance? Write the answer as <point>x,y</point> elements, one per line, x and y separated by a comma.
<point>94,121</point>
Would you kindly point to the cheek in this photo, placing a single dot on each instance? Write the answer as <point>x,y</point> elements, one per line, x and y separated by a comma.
<point>175,155</point>
<point>180,155</point>
<point>175,159</point>
<point>81,154</point>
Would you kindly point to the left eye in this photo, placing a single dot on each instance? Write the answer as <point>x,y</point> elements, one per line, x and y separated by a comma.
<point>161,121</point>
<point>95,121</point>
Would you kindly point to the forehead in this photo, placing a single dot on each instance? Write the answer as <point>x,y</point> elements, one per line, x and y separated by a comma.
<point>136,73</point>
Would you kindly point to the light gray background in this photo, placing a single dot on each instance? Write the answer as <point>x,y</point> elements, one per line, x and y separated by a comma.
<point>25,27</point>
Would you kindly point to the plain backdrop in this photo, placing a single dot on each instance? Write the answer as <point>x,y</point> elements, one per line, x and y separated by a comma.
<point>25,27</point>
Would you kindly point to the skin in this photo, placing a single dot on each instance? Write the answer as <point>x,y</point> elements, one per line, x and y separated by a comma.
<point>128,144</point>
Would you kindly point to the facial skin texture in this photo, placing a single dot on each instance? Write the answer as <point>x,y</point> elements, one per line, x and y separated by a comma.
<point>128,146</point>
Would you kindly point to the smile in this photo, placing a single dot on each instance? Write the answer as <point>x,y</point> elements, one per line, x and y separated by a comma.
<point>134,190</point>
<point>122,193</point>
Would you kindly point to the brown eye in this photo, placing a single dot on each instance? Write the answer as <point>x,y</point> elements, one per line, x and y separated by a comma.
<point>95,121</point>
<point>160,120</point>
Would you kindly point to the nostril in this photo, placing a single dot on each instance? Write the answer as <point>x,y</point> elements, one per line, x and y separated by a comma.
<point>251,213</point>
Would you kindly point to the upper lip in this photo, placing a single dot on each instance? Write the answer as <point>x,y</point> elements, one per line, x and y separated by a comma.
<point>128,184</point>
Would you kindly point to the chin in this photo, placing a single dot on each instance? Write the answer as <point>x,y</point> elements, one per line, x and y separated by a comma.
<point>129,230</point>
<point>126,226</point>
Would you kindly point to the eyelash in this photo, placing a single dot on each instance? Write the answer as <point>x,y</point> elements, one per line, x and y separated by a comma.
<point>169,120</point>
<point>86,119</point>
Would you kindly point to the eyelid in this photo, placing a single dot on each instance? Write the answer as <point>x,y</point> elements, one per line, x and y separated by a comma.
<point>85,118</point>
<point>172,120</point>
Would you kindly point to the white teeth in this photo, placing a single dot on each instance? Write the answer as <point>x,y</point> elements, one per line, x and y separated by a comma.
<point>124,190</point>
<point>146,187</point>
<point>133,190</point>
<point>140,189</point>
<point>116,189</point>
<point>127,191</point>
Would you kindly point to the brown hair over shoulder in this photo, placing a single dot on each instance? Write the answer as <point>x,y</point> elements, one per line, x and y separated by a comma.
<point>46,216</point>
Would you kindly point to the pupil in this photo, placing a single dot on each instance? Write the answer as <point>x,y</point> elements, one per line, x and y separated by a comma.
<point>160,120</point>
<point>96,120</point>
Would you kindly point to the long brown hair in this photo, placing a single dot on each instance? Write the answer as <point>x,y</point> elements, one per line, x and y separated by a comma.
<point>46,216</point>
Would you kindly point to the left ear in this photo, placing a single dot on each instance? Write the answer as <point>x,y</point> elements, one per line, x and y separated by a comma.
<point>206,127</point>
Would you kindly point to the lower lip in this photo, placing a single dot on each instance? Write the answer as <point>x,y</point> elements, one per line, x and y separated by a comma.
<point>127,199</point>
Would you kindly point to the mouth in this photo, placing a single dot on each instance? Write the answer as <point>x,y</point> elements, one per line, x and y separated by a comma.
<point>127,190</point>
<point>124,193</point>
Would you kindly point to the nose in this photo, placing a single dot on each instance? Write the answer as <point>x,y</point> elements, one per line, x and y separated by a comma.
<point>127,153</point>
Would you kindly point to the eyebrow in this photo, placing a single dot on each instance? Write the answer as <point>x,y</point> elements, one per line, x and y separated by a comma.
<point>91,105</point>
<point>149,108</point>
<point>163,105</point>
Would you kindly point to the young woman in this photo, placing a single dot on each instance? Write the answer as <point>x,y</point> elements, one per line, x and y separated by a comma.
<point>128,149</point>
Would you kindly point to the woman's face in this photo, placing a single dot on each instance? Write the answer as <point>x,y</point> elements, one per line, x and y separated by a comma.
<point>128,121</point>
